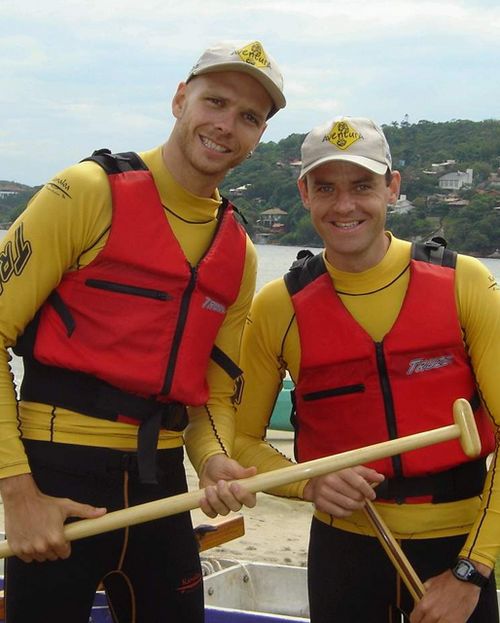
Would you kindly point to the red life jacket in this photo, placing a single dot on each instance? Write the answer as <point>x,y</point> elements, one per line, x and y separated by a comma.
<point>353,392</point>
<point>139,317</point>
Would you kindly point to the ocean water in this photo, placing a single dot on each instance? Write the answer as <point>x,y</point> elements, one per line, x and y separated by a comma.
<point>275,260</point>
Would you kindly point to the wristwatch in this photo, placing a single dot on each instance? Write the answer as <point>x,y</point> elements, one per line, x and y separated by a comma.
<point>465,571</point>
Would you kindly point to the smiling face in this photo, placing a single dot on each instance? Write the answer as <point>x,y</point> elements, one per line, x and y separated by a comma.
<point>348,206</point>
<point>220,118</point>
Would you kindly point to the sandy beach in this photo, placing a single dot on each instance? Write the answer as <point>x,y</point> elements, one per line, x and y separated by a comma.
<point>276,530</point>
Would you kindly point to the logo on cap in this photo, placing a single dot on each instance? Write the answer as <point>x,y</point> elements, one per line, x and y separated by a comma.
<point>254,54</point>
<point>342,135</point>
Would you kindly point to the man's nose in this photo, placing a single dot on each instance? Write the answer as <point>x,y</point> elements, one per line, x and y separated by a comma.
<point>226,121</point>
<point>344,202</point>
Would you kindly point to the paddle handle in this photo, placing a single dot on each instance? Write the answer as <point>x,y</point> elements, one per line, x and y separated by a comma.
<point>463,429</point>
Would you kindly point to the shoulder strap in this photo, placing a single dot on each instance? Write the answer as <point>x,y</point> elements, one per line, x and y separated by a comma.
<point>235,209</point>
<point>117,163</point>
<point>306,268</point>
<point>434,251</point>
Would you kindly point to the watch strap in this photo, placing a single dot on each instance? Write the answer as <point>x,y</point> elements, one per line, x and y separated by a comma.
<point>465,571</point>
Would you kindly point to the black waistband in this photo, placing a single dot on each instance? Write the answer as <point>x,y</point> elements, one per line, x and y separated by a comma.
<point>459,483</point>
<point>90,396</point>
<point>95,461</point>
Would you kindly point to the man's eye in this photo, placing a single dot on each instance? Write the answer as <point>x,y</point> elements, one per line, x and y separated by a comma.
<point>252,118</point>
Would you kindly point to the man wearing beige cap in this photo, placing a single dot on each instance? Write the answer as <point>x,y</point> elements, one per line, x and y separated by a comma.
<point>380,336</point>
<point>129,285</point>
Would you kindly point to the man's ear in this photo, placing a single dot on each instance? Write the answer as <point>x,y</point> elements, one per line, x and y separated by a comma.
<point>179,100</point>
<point>394,187</point>
<point>304,195</point>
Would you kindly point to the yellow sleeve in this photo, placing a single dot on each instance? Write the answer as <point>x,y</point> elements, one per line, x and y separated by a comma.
<point>270,347</point>
<point>60,222</point>
<point>211,427</point>
<point>478,297</point>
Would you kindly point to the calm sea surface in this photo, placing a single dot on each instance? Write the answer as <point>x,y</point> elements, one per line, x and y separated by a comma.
<point>274,261</point>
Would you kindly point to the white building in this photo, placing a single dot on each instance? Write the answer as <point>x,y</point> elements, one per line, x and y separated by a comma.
<point>8,193</point>
<point>455,181</point>
<point>402,205</point>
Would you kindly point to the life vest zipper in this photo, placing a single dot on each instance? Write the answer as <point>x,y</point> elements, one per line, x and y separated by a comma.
<point>388,405</point>
<point>179,329</point>
<point>184,307</point>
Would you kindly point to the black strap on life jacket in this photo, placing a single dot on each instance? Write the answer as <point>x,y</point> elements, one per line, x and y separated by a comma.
<point>306,268</point>
<point>459,483</point>
<point>117,163</point>
<point>434,251</point>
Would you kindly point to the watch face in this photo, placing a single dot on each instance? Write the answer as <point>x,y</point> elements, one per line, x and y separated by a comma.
<point>463,569</point>
<point>466,571</point>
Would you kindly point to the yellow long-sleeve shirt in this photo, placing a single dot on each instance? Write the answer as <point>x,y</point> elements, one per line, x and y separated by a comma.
<point>64,227</point>
<point>374,298</point>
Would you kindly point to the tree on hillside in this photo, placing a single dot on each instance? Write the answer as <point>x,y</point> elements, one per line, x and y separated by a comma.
<point>476,228</point>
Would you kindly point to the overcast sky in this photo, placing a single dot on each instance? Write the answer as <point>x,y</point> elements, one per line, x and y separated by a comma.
<point>82,74</point>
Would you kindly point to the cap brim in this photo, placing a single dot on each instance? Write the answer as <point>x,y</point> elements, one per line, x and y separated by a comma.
<point>372,165</point>
<point>275,94</point>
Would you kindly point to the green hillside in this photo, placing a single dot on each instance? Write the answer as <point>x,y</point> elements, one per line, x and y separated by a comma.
<point>13,200</point>
<point>267,181</point>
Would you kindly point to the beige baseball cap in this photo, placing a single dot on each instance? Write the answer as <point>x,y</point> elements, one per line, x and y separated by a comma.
<point>250,58</point>
<point>352,139</point>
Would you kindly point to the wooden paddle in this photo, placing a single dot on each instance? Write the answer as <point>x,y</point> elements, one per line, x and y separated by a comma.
<point>464,429</point>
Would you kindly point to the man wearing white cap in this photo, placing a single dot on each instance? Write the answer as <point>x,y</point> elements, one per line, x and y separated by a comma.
<point>113,296</point>
<point>380,336</point>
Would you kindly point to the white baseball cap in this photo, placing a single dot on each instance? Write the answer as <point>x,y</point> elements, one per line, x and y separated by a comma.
<point>351,139</point>
<point>249,58</point>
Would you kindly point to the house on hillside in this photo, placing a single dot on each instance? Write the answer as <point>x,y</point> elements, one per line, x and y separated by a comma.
<point>456,180</point>
<point>455,202</point>
<point>240,190</point>
<point>272,218</point>
<point>402,206</point>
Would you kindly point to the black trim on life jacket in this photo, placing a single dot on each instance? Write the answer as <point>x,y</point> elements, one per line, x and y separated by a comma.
<point>117,163</point>
<point>306,268</point>
<point>63,312</point>
<point>459,483</point>
<point>434,251</point>
<point>226,363</point>
<point>84,393</point>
